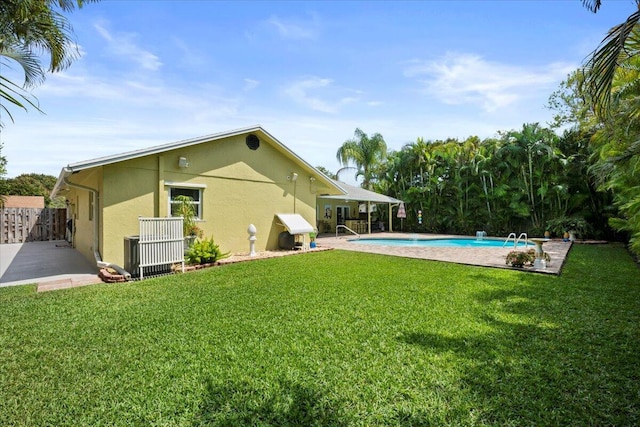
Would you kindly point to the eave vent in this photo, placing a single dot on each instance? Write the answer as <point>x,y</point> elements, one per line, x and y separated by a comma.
<point>253,142</point>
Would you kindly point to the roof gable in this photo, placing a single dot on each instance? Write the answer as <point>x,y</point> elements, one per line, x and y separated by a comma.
<point>255,130</point>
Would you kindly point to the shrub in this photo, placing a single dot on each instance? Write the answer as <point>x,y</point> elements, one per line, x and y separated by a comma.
<point>204,252</point>
<point>519,258</point>
<point>561,224</point>
<point>522,258</point>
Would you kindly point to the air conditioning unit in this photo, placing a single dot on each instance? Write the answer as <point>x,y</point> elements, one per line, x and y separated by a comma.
<point>132,255</point>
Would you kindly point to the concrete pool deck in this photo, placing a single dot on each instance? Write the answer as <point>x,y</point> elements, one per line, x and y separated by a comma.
<point>486,257</point>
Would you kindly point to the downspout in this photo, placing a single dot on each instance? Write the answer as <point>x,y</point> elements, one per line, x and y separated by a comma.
<point>96,227</point>
<point>295,182</point>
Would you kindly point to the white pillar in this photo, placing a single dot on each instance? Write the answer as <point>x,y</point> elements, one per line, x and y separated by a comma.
<point>252,239</point>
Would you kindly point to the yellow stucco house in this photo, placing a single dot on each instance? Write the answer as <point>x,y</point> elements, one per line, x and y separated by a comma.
<point>235,178</point>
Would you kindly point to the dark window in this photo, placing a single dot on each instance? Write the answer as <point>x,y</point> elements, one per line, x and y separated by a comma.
<point>195,194</point>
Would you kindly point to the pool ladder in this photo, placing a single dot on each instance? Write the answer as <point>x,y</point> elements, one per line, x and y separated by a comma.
<point>339,226</point>
<point>516,240</point>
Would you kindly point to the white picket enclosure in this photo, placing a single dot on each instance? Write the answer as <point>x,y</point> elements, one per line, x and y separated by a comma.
<point>161,242</point>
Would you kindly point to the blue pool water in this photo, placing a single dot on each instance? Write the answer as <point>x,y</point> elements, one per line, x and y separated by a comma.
<point>440,243</point>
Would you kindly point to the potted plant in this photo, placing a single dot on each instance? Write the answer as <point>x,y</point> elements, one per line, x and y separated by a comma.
<point>312,239</point>
<point>519,258</point>
<point>573,225</point>
<point>185,209</point>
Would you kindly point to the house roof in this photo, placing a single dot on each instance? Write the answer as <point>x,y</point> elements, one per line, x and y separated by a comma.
<point>359,194</point>
<point>129,155</point>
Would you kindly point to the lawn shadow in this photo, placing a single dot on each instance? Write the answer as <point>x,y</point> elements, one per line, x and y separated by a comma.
<point>538,358</point>
<point>238,403</point>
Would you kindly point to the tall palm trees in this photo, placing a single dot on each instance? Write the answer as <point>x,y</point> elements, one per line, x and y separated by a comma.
<point>528,151</point>
<point>365,152</point>
<point>612,86</point>
<point>27,29</point>
<point>513,183</point>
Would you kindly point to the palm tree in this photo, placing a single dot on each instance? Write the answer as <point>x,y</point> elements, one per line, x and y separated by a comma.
<point>365,153</point>
<point>29,28</point>
<point>530,150</point>
<point>621,43</point>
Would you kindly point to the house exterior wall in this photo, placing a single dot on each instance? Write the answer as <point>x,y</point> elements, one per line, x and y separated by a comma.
<point>327,215</point>
<point>80,210</point>
<point>239,187</point>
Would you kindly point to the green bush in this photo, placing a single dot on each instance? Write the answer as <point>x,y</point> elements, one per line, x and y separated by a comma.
<point>519,258</point>
<point>204,252</point>
<point>522,258</point>
<point>561,224</point>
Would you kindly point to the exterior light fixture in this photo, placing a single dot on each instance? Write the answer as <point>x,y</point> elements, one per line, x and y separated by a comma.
<point>183,162</point>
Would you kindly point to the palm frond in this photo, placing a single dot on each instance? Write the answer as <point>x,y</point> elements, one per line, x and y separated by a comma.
<point>592,5</point>
<point>15,95</point>
<point>601,68</point>
<point>30,64</point>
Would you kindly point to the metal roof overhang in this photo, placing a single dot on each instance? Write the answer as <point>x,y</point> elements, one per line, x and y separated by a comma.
<point>295,223</point>
<point>358,194</point>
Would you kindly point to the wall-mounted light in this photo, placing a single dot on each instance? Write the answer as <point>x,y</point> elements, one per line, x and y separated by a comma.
<point>311,188</point>
<point>293,177</point>
<point>183,162</point>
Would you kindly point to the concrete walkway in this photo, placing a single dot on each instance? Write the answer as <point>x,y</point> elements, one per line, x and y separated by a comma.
<point>486,257</point>
<point>52,265</point>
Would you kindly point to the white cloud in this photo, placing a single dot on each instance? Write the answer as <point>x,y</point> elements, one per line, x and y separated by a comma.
<point>305,92</point>
<point>302,29</point>
<point>469,79</point>
<point>122,45</point>
<point>190,57</point>
<point>250,84</point>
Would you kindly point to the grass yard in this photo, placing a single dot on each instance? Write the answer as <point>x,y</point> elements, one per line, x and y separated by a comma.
<point>331,339</point>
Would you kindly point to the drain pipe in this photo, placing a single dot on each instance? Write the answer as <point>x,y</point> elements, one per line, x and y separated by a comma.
<point>96,228</point>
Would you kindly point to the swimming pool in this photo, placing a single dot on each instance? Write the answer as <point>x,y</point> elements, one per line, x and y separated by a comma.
<point>440,243</point>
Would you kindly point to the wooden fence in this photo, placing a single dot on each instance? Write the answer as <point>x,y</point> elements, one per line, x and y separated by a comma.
<point>19,225</point>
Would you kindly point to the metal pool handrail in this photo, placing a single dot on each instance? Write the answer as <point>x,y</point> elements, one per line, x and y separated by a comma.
<point>516,241</point>
<point>346,228</point>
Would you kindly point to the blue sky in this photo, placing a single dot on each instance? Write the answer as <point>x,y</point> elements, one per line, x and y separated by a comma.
<point>310,73</point>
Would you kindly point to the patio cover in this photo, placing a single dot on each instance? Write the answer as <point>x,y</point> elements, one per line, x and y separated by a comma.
<point>358,194</point>
<point>295,223</point>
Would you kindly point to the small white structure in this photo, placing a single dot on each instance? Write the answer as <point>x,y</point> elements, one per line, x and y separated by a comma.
<point>539,262</point>
<point>252,239</point>
<point>296,225</point>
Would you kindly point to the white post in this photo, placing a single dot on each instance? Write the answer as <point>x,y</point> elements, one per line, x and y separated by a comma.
<point>252,239</point>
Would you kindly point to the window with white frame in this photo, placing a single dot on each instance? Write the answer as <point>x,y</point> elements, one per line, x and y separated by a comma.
<point>194,194</point>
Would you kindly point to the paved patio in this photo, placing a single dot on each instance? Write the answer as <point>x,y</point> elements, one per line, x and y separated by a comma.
<point>55,265</point>
<point>52,265</point>
<point>486,257</point>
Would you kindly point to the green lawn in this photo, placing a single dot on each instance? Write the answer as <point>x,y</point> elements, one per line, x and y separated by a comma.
<point>331,338</point>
